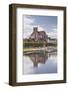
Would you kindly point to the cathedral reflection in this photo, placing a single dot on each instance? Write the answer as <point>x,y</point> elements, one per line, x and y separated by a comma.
<point>36,58</point>
<point>40,57</point>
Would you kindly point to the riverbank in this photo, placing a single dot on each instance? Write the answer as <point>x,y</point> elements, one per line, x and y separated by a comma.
<point>33,49</point>
<point>45,49</point>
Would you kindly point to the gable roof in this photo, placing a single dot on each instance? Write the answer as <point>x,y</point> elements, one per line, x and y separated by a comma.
<point>41,32</point>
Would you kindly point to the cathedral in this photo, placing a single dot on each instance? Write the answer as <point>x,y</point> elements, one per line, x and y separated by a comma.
<point>38,35</point>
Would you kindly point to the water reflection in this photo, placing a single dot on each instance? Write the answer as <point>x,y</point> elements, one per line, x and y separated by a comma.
<point>37,58</point>
<point>40,62</point>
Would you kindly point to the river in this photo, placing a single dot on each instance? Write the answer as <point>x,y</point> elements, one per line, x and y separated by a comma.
<point>40,63</point>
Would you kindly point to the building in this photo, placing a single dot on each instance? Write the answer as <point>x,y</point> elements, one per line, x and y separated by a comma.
<point>38,35</point>
<point>41,35</point>
<point>53,41</point>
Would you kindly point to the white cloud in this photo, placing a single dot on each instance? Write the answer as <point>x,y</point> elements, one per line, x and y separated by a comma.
<point>40,28</point>
<point>29,23</point>
<point>28,20</point>
<point>53,34</point>
<point>27,26</point>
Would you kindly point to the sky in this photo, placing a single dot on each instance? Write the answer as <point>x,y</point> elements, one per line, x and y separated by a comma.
<point>44,23</point>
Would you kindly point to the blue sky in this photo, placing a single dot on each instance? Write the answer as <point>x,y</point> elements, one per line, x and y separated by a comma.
<point>44,23</point>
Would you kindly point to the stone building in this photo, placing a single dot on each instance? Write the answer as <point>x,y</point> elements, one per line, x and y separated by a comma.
<point>41,35</point>
<point>38,35</point>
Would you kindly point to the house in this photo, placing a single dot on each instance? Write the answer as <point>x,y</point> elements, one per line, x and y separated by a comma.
<point>38,35</point>
<point>52,40</point>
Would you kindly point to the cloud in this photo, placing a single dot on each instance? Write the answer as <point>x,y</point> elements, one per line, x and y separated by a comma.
<point>27,26</point>
<point>40,28</point>
<point>29,23</point>
<point>28,20</point>
<point>53,34</point>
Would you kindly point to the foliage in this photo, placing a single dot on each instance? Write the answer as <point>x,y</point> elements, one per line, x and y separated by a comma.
<point>32,43</point>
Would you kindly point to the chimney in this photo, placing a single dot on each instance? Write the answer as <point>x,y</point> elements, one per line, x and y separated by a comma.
<point>35,29</point>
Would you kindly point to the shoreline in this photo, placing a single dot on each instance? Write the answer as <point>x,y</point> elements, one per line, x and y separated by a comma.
<point>33,50</point>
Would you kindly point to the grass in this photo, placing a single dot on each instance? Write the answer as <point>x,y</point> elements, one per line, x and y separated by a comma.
<point>31,45</point>
<point>30,49</point>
